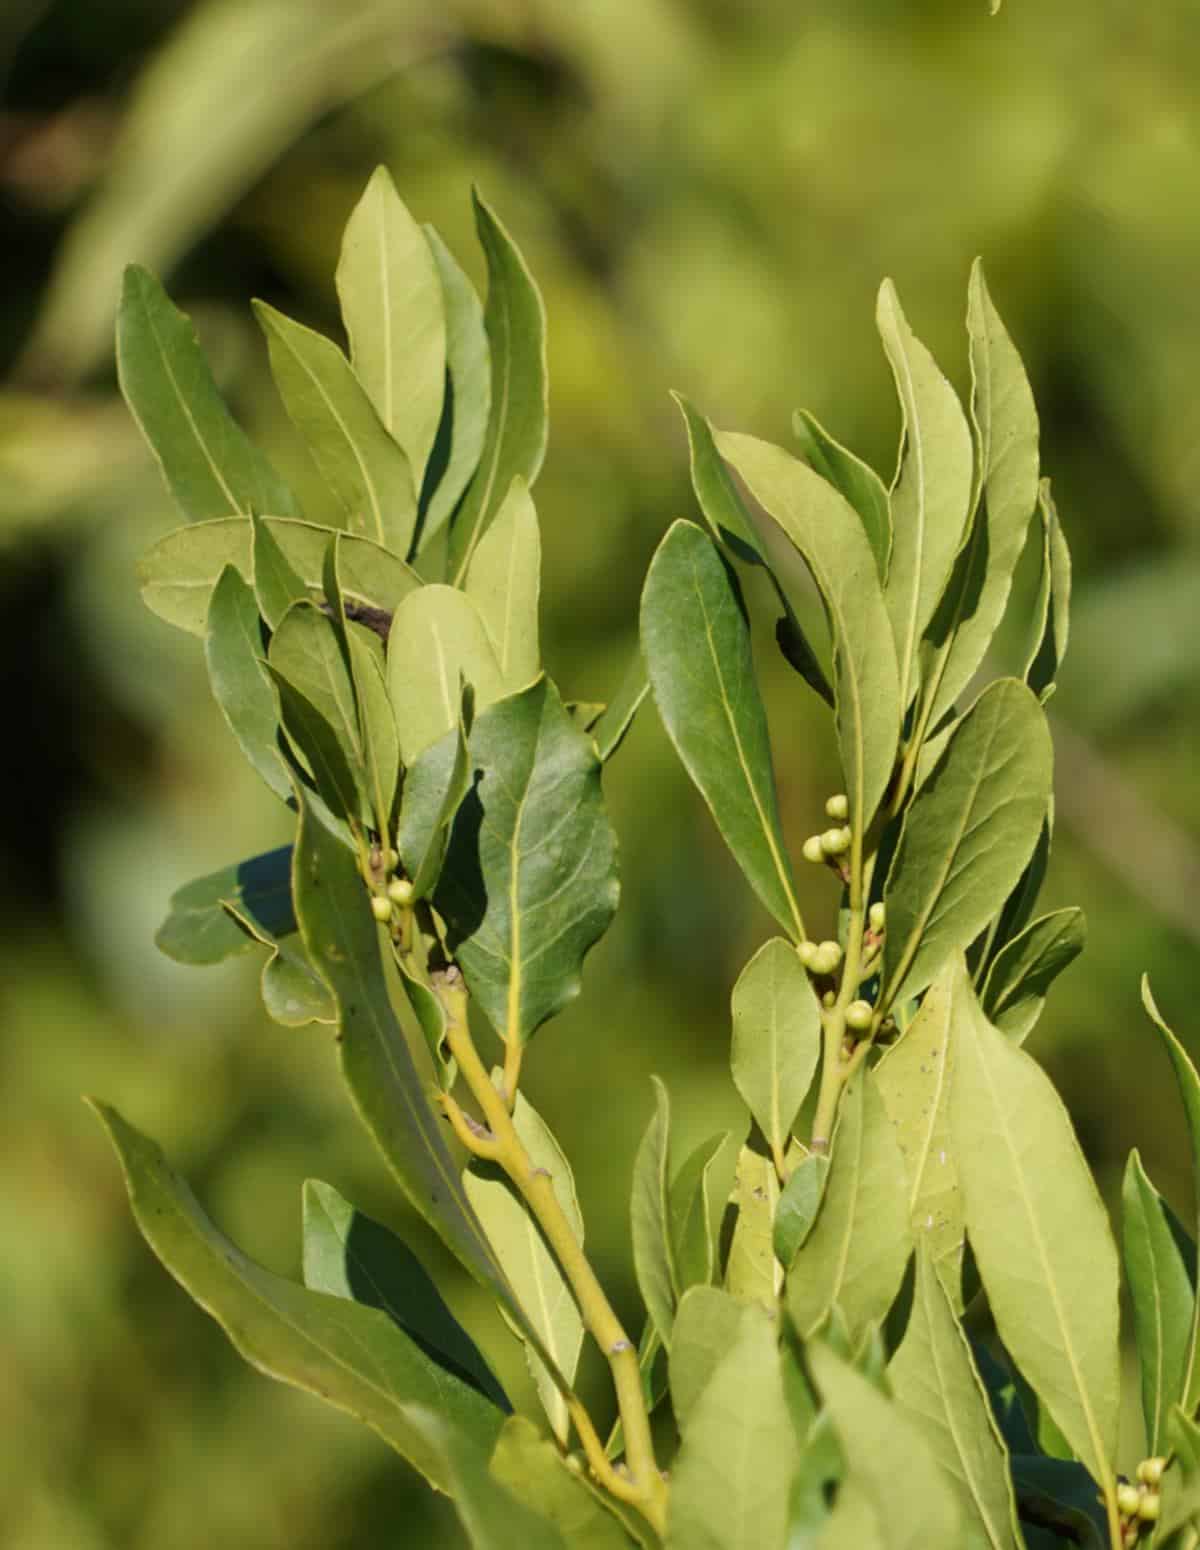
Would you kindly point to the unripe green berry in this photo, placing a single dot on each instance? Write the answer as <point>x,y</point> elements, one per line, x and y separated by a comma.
<point>859,1015</point>
<point>835,842</point>
<point>400,891</point>
<point>381,908</point>
<point>812,849</point>
<point>1129,1499</point>
<point>807,954</point>
<point>876,916</point>
<point>1150,1470</point>
<point>829,955</point>
<point>1148,1507</point>
<point>838,806</point>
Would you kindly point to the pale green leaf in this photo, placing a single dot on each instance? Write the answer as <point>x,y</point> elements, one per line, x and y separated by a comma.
<point>530,881</point>
<point>437,641</point>
<point>967,836</point>
<point>776,1040</point>
<point>391,299</point>
<point>365,470</point>
<point>614,720</point>
<point>504,580</point>
<point>200,930</point>
<point>731,1480</point>
<point>435,785</point>
<point>696,639</point>
<point>707,1325</point>
<point>1181,1484</point>
<point>1052,610</point>
<point>1021,973</point>
<point>351,1356</point>
<point>852,1525</point>
<point>856,480</point>
<point>305,651</point>
<point>752,1273</point>
<point>321,749</point>
<point>210,467</point>
<point>935,1383</point>
<point>534,1471</point>
<point>233,650</point>
<point>691,1202</point>
<point>515,443</point>
<point>531,1268</point>
<point>857,1251</point>
<point>649,1218</point>
<point>829,534</point>
<point>1040,1235</point>
<point>293,993</point>
<point>932,490</point>
<point>799,1205</point>
<point>914,1079</point>
<point>276,583</point>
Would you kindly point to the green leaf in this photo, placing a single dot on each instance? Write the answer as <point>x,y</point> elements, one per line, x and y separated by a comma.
<point>752,1273</point>
<point>914,1080</point>
<point>199,929</point>
<point>276,584</point>
<point>776,1040</point>
<point>707,1325</point>
<point>391,299</point>
<point>503,581</point>
<point>935,1383</point>
<point>888,1458</point>
<point>798,1206</point>
<point>852,1525</point>
<point>515,443</point>
<point>1022,972</point>
<point>1181,1483</point>
<point>1189,1092</point>
<point>857,1251</point>
<point>210,467</point>
<point>530,881</point>
<point>857,481</point>
<point>305,651</point>
<point>1006,472</point>
<point>437,640</point>
<point>531,1268</point>
<point>434,788</point>
<point>1059,1495</point>
<point>353,1357</point>
<point>691,1201</point>
<point>932,490</point>
<point>1053,608</point>
<point>180,571</point>
<point>233,650</point>
<point>468,396</point>
<point>731,1479</point>
<point>829,534</point>
<point>293,993</point>
<point>365,470</point>
<point>649,1218</point>
<point>967,836</point>
<point>696,639</point>
<point>613,721</point>
<point>533,1469</point>
<point>1163,1296</point>
<point>321,749</point>
<point>388,1092</point>
<point>348,1254</point>
<point>1040,1235</point>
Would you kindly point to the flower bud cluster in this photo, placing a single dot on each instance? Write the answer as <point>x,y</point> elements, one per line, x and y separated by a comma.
<point>820,957</point>
<point>1140,1504</point>
<point>830,844</point>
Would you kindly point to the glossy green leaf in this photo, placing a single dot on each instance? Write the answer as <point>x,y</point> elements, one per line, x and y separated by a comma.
<point>692,1200</point>
<point>468,396</point>
<point>276,583</point>
<point>210,466</point>
<point>321,750</point>
<point>1052,610</point>
<point>752,1273</point>
<point>696,639</point>
<point>531,1268</point>
<point>967,836</point>
<point>180,571</point>
<point>1022,972</point>
<point>434,788</point>
<point>530,882</point>
<point>233,651</point>
<point>614,720</point>
<point>515,443</point>
<point>534,1471</point>
<point>857,481</point>
<point>504,580</point>
<point>1163,1296</point>
<point>1040,1234</point>
<point>365,470</point>
<point>391,299</point>
<point>936,1385</point>
<point>649,1218</point>
<point>353,1357</point>
<point>888,1458</point>
<point>932,491</point>
<point>914,1080</point>
<point>731,1479</point>
<point>437,641</point>
<point>856,1253</point>
<point>348,1254</point>
<point>707,1326</point>
<point>776,1040</point>
<point>199,929</point>
<point>798,1206</point>
<point>1189,1092</point>
<point>829,534</point>
<point>1006,476</point>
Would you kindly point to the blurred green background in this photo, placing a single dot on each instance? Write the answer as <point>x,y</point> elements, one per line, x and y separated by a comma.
<point>709,192</point>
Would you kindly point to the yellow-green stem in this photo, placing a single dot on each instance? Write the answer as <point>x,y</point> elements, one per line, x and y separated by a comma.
<point>644,1487</point>
<point>836,1069</point>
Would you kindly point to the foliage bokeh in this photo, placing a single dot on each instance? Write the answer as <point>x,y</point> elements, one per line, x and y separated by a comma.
<point>709,193</point>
